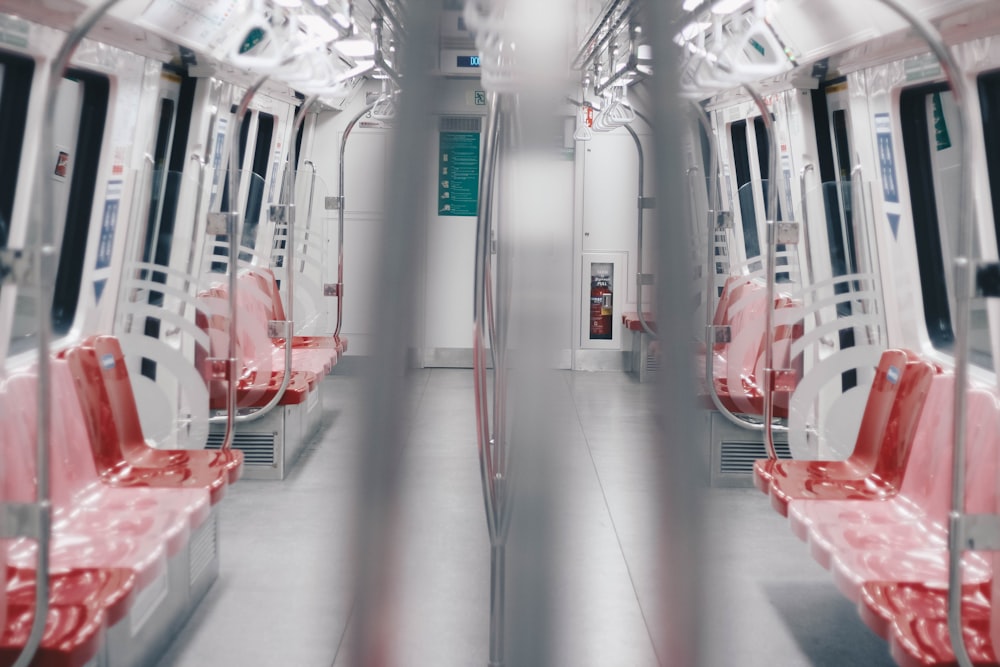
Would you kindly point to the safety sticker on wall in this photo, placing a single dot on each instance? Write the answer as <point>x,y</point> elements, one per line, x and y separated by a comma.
<point>458,174</point>
<point>220,140</point>
<point>109,221</point>
<point>886,158</point>
<point>894,223</point>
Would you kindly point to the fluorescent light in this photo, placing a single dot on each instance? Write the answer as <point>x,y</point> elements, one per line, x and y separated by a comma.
<point>355,47</point>
<point>315,25</point>
<point>729,6</point>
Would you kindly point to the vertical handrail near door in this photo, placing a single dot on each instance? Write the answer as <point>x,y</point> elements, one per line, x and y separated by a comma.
<point>770,213</point>
<point>340,217</point>
<point>493,467</point>
<point>715,215</point>
<point>234,230</point>
<point>34,520</point>
<point>640,277</point>
<point>962,533</point>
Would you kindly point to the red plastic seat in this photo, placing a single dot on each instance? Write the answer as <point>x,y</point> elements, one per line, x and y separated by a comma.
<point>257,295</point>
<point>122,456</point>
<point>875,468</point>
<point>882,602</point>
<point>82,603</point>
<point>76,543</point>
<point>269,286</point>
<point>258,381</point>
<point>164,514</point>
<point>913,614</point>
<point>84,596</point>
<point>925,493</point>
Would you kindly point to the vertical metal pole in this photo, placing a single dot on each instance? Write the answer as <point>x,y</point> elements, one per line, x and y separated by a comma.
<point>639,250</point>
<point>340,217</point>
<point>678,463</point>
<point>384,431</point>
<point>487,441</point>
<point>770,212</point>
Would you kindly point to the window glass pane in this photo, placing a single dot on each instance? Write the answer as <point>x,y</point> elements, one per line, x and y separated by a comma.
<point>81,110</point>
<point>932,142</point>
<point>15,89</point>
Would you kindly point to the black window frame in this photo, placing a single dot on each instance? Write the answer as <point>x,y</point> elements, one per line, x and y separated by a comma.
<point>19,72</point>
<point>923,205</point>
<point>89,144</point>
<point>741,165</point>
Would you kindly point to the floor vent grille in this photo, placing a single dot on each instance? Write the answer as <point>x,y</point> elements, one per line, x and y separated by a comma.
<point>204,547</point>
<point>738,457</point>
<point>257,448</point>
<point>652,362</point>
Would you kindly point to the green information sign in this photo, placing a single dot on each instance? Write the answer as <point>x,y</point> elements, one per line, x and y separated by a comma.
<point>458,174</point>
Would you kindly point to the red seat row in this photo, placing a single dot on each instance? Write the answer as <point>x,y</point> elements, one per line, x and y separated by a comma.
<point>878,520</point>
<point>738,366</point>
<point>121,508</point>
<point>261,358</point>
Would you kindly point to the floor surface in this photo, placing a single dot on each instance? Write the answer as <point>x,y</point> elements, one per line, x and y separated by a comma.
<point>285,592</point>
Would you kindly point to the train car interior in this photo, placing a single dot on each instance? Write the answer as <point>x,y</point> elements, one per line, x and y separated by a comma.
<point>499,332</point>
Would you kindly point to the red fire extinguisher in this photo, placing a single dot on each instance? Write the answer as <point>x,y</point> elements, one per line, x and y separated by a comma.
<point>601,305</point>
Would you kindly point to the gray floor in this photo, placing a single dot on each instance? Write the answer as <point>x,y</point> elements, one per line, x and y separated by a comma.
<point>284,596</point>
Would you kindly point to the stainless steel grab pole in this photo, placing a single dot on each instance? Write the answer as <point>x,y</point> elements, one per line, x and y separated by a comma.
<point>770,214</point>
<point>492,478</point>
<point>715,210</point>
<point>677,463</point>
<point>235,232</point>
<point>959,86</point>
<point>641,202</point>
<point>384,431</point>
<point>340,216</point>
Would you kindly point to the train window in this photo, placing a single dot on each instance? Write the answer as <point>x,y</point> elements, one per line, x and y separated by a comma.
<point>834,153</point>
<point>932,146</point>
<point>741,163</point>
<point>82,105</point>
<point>258,171</point>
<point>164,132</point>
<point>764,163</point>
<point>255,196</point>
<point>15,87</point>
<point>834,167</point>
<point>989,97</point>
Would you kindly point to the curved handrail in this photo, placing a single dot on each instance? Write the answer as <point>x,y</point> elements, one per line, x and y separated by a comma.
<point>42,276</point>
<point>289,262</point>
<point>959,87</point>
<point>770,209</point>
<point>715,205</point>
<point>340,216</point>
<point>641,206</point>
<point>234,231</point>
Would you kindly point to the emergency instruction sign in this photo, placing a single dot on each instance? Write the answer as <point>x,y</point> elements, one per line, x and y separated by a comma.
<point>458,174</point>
